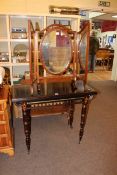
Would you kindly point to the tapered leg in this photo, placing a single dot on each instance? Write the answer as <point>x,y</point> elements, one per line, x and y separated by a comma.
<point>71,113</point>
<point>85,106</point>
<point>26,109</point>
<point>11,106</point>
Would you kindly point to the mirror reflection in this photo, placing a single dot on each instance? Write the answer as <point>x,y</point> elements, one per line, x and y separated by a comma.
<point>56,51</point>
<point>83,46</point>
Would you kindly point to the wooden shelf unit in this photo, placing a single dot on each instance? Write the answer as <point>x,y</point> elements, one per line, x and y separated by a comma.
<point>7,44</point>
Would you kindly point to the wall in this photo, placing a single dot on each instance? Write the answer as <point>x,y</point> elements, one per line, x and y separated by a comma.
<point>114,70</point>
<point>104,36</point>
<point>41,6</point>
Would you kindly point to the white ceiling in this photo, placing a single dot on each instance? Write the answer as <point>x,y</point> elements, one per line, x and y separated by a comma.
<point>107,16</point>
<point>94,14</point>
<point>97,15</point>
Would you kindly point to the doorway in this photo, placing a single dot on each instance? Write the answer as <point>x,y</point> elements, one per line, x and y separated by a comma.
<point>105,25</point>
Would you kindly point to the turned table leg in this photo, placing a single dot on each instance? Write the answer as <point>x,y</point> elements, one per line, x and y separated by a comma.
<point>84,111</point>
<point>26,109</point>
<point>71,113</point>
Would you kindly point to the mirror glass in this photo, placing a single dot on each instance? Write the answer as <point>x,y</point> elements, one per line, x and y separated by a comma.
<point>56,51</point>
<point>82,48</point>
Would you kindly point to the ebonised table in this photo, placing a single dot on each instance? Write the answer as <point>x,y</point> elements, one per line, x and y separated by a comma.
<point>52,98</point>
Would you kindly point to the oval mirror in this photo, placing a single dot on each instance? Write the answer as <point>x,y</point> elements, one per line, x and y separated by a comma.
<point>56,51</point>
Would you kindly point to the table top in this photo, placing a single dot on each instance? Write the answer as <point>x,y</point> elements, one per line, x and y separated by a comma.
<point>49,92</point>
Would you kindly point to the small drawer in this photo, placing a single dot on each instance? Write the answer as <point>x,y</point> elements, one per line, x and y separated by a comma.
<point>3,129</point>
<point>2,117</point>
<point>2,106</point>
<point>4,142</point>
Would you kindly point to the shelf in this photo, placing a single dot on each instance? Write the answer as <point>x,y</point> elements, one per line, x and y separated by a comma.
<point>5,64</point>
<point>19,40</point>
<point>4,40</point>
<point>16,79</point>
<point>8,44</point>
<point>13,64</point>
<point>63,16</point>
<point>20,64</point>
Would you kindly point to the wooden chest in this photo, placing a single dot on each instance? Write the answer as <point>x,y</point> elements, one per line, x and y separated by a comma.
<point>6,131</point>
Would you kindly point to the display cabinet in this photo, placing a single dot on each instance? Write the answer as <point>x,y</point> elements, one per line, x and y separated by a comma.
<point>6,127</point>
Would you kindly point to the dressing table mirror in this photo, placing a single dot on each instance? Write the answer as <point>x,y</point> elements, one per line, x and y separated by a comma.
<point>60,54</point>
<point>58,76</point>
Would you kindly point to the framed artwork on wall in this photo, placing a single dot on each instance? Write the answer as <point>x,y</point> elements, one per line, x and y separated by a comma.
<point>110,39</point>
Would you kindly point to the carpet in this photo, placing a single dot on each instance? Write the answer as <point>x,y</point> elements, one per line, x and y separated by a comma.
<point>55,148</point>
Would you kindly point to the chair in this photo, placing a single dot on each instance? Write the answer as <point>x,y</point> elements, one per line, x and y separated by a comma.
<point>103,57</point>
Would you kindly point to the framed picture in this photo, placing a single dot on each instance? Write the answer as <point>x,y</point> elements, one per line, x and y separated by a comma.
<point>110,39</point>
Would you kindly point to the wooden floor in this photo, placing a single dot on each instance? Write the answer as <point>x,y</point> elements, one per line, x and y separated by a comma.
<point>100,74</point>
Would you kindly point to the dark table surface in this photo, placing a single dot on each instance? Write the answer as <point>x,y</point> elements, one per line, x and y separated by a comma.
<point>50,91</point>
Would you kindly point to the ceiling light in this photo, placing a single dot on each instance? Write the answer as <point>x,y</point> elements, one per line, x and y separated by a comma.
<point>115,16</point>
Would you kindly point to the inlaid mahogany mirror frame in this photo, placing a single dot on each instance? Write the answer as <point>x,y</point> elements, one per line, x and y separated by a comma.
<point>76,61</point>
